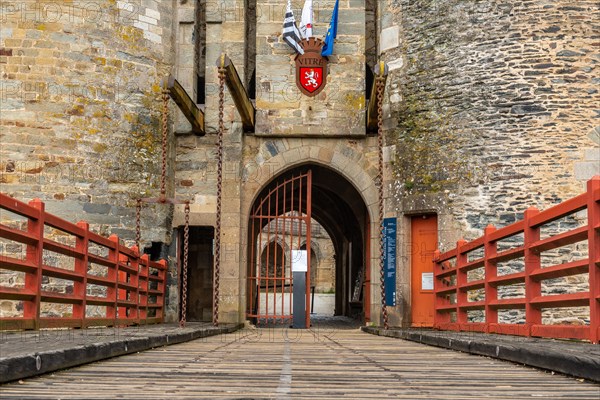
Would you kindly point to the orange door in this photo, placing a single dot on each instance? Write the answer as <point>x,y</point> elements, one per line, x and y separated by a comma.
<point>423,244</point>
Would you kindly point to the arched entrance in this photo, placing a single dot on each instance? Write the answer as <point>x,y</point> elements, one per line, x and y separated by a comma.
<point>282,213</point>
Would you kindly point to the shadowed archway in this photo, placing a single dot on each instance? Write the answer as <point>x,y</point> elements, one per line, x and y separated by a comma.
<point>339,208</point>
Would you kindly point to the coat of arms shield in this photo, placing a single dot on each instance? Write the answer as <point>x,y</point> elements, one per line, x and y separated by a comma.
<point>311,67</point>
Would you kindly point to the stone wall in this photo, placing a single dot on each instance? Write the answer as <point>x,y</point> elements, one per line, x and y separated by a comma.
<point>80,87</point>
<point>508,91</point>
<point>80,114</point>
<point>493,108</point>
<point>340,108</point>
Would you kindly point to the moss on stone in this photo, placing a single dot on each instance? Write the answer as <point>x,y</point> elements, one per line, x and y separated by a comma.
<point>428,140</point>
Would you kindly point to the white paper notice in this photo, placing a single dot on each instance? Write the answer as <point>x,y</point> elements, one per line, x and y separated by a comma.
<point>427,281</point>
<point>299,261</point>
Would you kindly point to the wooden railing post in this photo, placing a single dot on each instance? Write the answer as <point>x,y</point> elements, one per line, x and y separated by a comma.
<point>34,255</point>
<point>593,208</point>
<point>490,271</point>
<point>80,288</point>
<point>437,319</point>
<point>461,279</point>
<point>144,273</point>
<point>135,280</point>
<point>163,286</point>
<point>533,288</point>
<point>113,276</point>
<point>121,277</point>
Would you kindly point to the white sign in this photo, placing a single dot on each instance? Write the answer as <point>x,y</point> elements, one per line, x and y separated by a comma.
<point>299,261</point>
<point>427,281</point>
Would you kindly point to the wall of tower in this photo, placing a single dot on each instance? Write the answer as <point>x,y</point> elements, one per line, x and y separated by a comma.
<point>81,109</point>
<point>493,107</point>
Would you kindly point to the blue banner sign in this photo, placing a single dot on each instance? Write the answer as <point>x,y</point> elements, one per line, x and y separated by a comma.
<point>389,260</point>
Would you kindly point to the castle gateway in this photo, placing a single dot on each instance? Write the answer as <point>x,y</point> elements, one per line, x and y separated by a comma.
<point>441,118</point>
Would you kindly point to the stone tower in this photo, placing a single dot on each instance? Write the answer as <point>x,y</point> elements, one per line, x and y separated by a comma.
<point>490,107</point>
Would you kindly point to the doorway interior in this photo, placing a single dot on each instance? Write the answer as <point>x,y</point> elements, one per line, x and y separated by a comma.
<point>200,273</point>
<point>282,220</point>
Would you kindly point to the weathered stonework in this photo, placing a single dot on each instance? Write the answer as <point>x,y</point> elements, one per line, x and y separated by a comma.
<point>491,107</point>
<point>340,108</point>
<point>494,108</point>
<point>81,110</point>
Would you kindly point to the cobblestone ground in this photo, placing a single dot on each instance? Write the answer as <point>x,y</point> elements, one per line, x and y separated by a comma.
<point>328,361</point>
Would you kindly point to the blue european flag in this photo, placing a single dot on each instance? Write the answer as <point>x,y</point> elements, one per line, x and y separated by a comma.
<point>327,49</point>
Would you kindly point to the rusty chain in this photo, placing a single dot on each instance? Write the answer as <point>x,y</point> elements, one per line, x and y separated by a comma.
<point>380,88</point>
<point>138,224</point>
<point>165,117</point>
<point>184,272</point>
<point>217,270</point>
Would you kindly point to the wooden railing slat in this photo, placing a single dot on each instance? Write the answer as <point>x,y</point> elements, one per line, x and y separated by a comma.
<point>126,283</point>
<point>531,252</point>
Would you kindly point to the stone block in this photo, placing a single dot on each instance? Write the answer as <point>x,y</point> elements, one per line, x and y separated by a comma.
<point>153,37</point>
<point>7,104</point>
<point>592,154</point>
<point>594,135</point>
<point>148,20</point>
<point>152,14</point>
<point>63,37</point>
<point>6,32</point>
<point>227,286</point>
<point>186,15</point>
<point>395,64</point>
<point>390,38</point>
<point>141,25</point>
<point>93,208</point>
<point>214,13</point>
<point>586,170</point>
<point>349,17</point>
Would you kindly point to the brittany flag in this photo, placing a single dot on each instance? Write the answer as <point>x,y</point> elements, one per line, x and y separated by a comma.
<point>291,34</point>
<point>307,19</point>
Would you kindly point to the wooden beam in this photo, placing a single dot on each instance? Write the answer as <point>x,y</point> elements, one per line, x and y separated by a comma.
<point>381,72</point>
<point>238,93</point>
<point>187,106</point>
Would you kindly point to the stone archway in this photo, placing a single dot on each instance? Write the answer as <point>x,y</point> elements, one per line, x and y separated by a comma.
<point>340,208</point>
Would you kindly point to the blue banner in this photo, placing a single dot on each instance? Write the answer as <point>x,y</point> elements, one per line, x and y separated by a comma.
<point>389,260</point>
<point>327,49</point>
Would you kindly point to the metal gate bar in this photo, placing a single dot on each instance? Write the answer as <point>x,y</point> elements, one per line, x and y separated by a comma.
<point>279,221</point>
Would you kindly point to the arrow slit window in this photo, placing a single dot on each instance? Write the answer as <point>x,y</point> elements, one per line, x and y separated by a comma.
<point>370,43</point>
<point>200,53</point>
<point>250,49</point>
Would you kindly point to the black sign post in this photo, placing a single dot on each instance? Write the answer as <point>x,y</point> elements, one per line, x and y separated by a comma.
<point>299,270</point>
<point>299,303</point>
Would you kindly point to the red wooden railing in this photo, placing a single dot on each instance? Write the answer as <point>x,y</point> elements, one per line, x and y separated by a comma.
<point>134,285</point>
<point>452,280</point>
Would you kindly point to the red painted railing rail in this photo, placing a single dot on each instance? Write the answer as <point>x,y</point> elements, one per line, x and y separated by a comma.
<point>131,287</point>
<point>451,269</point>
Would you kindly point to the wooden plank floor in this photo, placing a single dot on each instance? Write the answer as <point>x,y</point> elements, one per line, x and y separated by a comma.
<point>282,364</point>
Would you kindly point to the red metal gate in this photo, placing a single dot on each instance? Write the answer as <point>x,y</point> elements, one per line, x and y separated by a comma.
<point>279,224</point>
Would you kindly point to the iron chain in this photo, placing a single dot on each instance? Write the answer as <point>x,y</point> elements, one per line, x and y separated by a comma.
<point>184,272</point>
<point>380,88</point>
<point>217,270</point>
<point>138,224</point>
<point>165,116</point>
